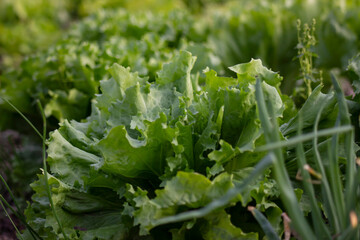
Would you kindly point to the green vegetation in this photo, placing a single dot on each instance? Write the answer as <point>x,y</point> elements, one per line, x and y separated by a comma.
<point>29,26</point>
<point>196,120</point>
<point>66,76</point>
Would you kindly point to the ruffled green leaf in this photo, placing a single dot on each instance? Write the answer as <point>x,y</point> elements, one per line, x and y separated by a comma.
<point>253,69</point>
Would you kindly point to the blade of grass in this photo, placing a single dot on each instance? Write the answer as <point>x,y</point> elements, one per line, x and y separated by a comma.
<point>21,217</point>
<point>258,171</point>
<point>288,197</point>
<point>318,223</point>
<point>325,186</point>
<point>12,222</point>
<point>23,116</point>
<point>264,223</point>
<point>18,213</point>
<point>335,178</point>
<point>355,188</point>
<point>356,185</point>
<point>45,171</point>
<point>43,137</point>
<point>348,233</point>
<point>349,147</point>
<point>10,192</point>
<point>303,138</point>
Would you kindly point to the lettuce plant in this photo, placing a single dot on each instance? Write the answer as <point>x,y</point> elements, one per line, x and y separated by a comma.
<point>173,158</point>
<point>153,150</point>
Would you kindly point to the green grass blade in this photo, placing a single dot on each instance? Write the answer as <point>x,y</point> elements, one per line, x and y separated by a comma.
<point>317,219</point>
<point>12,222</point>
<point>349,147</point>
<point>348,234</point>
<point>356,185</point>
<point>17,213</point>
<point>288,197</point>
<point>43,137</point>
<point>24,117</point>
<point>10,192</point>
<point>21,217</point>
<point>45,171</point>
<point>258,171</point>
<point>335,179</point>
<point>325,186</point>
<point>264,224</point>
<point>303,138</point>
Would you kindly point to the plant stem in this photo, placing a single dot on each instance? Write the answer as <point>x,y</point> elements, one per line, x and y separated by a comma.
<point>45,171</point>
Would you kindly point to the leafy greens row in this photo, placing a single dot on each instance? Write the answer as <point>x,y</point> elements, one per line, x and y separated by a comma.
<point>66,76</point>
<point>150,150</point>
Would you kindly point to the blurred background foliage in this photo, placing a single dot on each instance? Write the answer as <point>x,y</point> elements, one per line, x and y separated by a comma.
<point>27,27</point>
